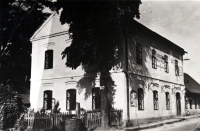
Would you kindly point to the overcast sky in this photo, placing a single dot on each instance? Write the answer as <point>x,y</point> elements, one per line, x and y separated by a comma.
<point>179,22</point>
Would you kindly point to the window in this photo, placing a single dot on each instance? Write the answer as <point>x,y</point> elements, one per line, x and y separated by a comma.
<point>140,99</point>
<point>48,101</point>
<point>176,68</point>
<point>186,102</point>
<point>96,98</point>
<point>167,100</point>
<point>139,53</point>
<point>190,102</point>
<point>48,63</point>
<point>71,99</point>
<point>155,100</point>
<point>154,60</point>
<point>166,64</point>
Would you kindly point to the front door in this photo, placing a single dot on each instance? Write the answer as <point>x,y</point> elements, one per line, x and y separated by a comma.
<point>178,104</point>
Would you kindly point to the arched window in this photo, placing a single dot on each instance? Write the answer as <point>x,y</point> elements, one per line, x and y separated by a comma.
<point>155,100</point>
<point>48,100</point>
<point>139,53</point>
<point>140,99</point>
<point>167,100</point>
<point>96,98</point>
<point>71,99</point>
<point>154,60</point>
<point>48,63</point>
<point>176,68</point>
<point>166,63</point>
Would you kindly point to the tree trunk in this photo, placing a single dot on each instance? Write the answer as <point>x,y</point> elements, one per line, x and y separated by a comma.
<point>104,109</point>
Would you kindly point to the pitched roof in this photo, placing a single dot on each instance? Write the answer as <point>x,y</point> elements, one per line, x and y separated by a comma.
<point>134,26</point>
<point>43,24</point>
<point>160,39</point>
<point>191,84</point>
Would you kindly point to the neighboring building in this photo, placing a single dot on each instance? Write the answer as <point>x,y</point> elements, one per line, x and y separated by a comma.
<point>192,95</point>
<point>151,89</point>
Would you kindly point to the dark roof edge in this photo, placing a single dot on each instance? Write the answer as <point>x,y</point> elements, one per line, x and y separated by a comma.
<point>171,44</point>
<point>193,81</point>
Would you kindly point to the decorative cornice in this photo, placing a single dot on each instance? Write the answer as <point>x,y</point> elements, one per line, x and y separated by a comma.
<point>49,44</point>
<point>48,84</point>
<point>49,36</point>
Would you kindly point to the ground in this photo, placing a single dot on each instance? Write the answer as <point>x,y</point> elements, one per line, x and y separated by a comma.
<point>185,125</point>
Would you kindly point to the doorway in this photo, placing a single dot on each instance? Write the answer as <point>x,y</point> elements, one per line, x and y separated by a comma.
<point>178,104</point>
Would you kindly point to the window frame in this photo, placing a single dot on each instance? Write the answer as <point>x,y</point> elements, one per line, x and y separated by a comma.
<point>166,64</point>
<point>167,96</point>
<point>96,98</point>
<point>155,100</point>
<point>140,99</point>
<point>48,100</point>
<point>176,68</point>
<point>139,53</point>
<point>154,60</point>
<point>71,99</point>
<point>48,59</point>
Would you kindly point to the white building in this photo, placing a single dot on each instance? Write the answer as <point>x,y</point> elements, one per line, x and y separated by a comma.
<point>155,88</point>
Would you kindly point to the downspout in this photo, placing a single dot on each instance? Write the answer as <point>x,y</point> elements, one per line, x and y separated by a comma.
<point>127,80</point>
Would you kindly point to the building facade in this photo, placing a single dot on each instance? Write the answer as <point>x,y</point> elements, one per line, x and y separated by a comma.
<point>149,86</point>
<point>192,95</point>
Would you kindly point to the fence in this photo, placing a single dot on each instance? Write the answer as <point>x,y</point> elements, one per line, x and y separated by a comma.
<point>92,118</point>
<point>43,121</point>
<point>116,117</point>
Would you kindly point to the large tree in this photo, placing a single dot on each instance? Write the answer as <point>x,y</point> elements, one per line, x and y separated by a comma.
<point>18,21</point>
<point>97,29</point>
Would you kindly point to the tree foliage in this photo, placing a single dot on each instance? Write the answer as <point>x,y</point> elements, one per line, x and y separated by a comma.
<point>97,29</point>
<point>18,21</point>
<point>10,106</point>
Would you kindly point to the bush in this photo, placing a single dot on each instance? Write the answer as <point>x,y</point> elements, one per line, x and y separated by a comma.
<point>11,106</point>
<point>21,124</point>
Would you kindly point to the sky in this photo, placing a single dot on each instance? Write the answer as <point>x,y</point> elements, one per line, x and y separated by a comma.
<point>179,22</point>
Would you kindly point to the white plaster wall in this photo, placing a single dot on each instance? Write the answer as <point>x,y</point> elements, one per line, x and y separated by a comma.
<point>149,111</point>
<point>146,67</point>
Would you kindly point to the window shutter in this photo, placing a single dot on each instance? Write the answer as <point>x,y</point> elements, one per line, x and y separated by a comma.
<point>73,100</point>
<point>93,99</point>
<point>53,103</point>
<point>48,59</point>
<point>45,104</point>
<point>96,98</point>
<point>47,100</point>
<point>67,100</point>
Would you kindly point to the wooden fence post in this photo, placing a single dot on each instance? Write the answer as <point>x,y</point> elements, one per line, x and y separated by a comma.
<point>77,110</point>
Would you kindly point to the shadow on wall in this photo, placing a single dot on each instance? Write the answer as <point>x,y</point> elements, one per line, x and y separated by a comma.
<point>90,80</point>
<point>138,69</point>
<point>87,82</point>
